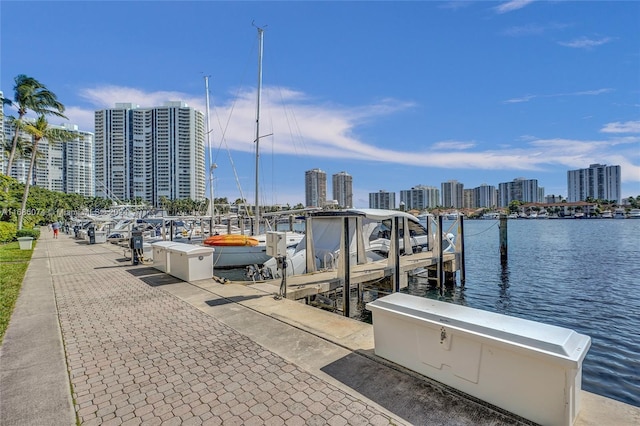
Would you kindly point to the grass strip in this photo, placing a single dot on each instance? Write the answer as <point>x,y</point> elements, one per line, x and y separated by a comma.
<point>13,266</point>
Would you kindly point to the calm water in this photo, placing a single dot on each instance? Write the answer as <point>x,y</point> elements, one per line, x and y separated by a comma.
<point>580,274</point>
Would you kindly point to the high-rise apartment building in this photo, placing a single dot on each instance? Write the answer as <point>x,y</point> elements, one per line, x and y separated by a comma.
<point>485,196</point>
<point>520,189</point>
<point>315,188</point>
<point>420,197</point>
<point>468,198</point>
<point>452,194</point>
<point>382,200</point>
<point>150,153</point>
<point>342,187</point>
<point>60,166</point>
<point>599,181</point>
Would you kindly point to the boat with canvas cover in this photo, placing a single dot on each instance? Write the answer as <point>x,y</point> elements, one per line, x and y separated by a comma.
<point>370,236</point>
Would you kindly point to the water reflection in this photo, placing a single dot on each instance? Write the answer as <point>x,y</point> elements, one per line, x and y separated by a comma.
<point>504,296</point>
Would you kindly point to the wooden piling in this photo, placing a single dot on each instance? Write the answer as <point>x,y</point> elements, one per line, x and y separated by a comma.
<point>503,239</point>
<point>440,256</point>
<point>396,254</point>
<point>346,289</point>
<point>461,249</point>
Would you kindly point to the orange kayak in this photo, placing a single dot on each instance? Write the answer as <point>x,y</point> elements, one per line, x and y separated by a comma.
<point>230,240</point>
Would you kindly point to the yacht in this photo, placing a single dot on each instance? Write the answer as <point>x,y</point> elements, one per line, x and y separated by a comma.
<point>371,235</point>
<point>619,213</point>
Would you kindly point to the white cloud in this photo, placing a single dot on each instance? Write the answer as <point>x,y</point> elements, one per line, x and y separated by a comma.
<point>308,129</point>
<point>533,29</point>
<point>452,145</point>
<point>512,5</point>
<point>527,98</point>
<point>618,127</point>
<point>585,43</point>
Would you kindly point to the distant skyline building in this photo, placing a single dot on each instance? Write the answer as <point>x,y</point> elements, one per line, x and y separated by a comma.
<point>599,181</point>
<point>520,189</point>
<point>315,188</point>
<point>452,194</point>
<point>485,196</point>
<point>342,187</point>
<point>60,166</point>
<point>468,197</point>
<point>382,200</point>
<point>553,199</point>
<point>150,153</point>
<point>420,197</point>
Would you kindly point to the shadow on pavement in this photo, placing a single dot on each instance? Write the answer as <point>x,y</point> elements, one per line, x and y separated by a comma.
<point>413,398</point>
<point>224,301</point>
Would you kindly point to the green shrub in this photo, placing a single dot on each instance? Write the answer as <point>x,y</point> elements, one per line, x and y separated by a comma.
<point>35,233</point>
<point>7,232</point>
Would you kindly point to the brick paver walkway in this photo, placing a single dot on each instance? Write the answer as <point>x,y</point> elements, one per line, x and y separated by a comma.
<point>138,355</point>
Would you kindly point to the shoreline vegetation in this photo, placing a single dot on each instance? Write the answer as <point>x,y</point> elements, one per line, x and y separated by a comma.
<point>14,263</point>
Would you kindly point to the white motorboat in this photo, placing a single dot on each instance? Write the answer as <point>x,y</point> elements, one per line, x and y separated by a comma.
<point>634,214</point>
<point>619,213</point>
<point>370,235</point>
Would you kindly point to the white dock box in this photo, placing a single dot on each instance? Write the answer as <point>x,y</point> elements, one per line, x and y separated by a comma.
<point>161,255</point>
<point>190,262</point>
<point>528,368</point>
<point>101,237</point>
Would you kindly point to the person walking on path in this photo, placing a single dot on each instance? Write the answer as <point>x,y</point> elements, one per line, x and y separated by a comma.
<point>56,228</point>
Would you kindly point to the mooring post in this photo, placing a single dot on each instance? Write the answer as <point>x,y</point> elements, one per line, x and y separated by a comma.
<point>346,258</point>
<point>461,249</point>
<point>440,256</point>
<point>503,239</point>
<point>396,254</point>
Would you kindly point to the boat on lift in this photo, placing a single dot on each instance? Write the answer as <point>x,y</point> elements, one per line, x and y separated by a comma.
<point>370,235</point>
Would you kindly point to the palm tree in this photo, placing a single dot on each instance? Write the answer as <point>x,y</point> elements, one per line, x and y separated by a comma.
<point>30,94</point>
<point>22,148</point>
<point>38,131</point>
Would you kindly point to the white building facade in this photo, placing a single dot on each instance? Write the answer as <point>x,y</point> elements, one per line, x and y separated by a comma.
<point>150,153</point>
<point>599,181</point>
<point>485,196</point>
<point>520,189</point>
<point>382,200</point>
<point>60,166</point>
<point>452,194</point>
<point>420,197</point>
<point>315,188</point>
<point>342,187</point>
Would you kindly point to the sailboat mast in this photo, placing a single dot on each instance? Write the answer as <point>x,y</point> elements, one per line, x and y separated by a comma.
<point>212,166</point>
<point>260,50</point>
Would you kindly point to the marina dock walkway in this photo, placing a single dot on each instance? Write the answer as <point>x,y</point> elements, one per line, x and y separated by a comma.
<point>95,340</point>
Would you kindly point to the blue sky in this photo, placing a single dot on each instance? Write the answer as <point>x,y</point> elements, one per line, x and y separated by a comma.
<point>397,94</point>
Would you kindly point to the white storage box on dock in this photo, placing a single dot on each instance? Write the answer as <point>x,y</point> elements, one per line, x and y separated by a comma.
<point>101,237</point>
<point>528,368</point>
<point>189,262</point>
<point>161,255</point>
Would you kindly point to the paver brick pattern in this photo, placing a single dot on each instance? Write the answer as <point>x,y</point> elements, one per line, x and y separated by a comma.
<point>137,355</point>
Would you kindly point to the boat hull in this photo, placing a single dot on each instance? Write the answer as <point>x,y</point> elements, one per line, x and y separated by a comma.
<point>227,257</point>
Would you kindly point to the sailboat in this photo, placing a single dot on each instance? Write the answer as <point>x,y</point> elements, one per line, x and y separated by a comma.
<point>234,251</point>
